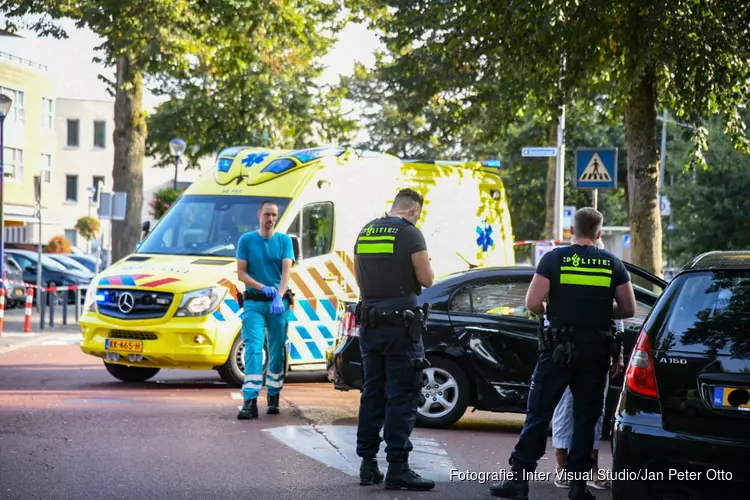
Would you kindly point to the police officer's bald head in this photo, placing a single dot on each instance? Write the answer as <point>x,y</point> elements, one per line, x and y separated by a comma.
<point>587,224</point>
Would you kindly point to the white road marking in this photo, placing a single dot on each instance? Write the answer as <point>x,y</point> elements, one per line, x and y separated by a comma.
<point>237,395</point>
<point>20,335</point>
<point>335,446</point>
<point>74,339</point>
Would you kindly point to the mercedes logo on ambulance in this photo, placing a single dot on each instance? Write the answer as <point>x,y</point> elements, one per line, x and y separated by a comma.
<point>125,302</point>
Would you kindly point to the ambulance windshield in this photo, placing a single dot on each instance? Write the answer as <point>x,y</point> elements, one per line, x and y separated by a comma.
<point>207,225</point>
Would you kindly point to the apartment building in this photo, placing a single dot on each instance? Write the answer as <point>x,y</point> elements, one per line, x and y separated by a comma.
<point>29,143</point>
<point>83,169</point>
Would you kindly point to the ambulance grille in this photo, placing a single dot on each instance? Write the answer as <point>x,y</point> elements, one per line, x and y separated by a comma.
<point>123,334</point>
<point>133,304</point>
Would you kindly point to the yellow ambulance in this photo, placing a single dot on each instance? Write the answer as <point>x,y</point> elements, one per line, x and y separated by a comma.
<point>173,303</point>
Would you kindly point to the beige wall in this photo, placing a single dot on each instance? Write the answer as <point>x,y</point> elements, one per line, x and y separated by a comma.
<point>25,129</point>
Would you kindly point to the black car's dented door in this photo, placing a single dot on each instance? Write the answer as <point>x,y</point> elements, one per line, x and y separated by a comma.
<point>493,326</point>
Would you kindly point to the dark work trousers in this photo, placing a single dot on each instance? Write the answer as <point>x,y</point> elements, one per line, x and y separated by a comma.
<point>390,393</point>
<point>586,378</point>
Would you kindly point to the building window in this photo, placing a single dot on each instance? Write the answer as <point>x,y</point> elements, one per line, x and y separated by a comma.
<point>13,159</point>
<point>73,129</point>
<point>46,169</point>
<point>100,130</point>
<point>97,186</point>
<point>17,110</point>
<point>48,114</point>
<point>71,188</point>
<point>71,235</point>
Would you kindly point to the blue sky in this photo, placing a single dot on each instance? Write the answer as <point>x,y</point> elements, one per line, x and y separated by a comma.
<point>69,61</point>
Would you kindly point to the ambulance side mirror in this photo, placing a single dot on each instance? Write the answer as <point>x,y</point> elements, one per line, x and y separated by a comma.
<point>295,248</point>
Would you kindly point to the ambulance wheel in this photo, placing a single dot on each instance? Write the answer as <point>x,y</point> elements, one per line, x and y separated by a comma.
<point>233,371</point>
<point>130,373</point>
<point>444,395</point>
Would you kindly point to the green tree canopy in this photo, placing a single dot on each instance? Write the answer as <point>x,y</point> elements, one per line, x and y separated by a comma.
<point>691,56</point>
<point>258,84</point>
<point>196,51</point>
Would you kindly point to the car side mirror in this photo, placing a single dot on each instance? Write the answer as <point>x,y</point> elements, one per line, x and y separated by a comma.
<point>146,226</point>
<point>296,248</point>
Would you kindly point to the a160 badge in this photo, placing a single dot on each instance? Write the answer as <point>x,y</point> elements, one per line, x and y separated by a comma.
<point>123,345</point>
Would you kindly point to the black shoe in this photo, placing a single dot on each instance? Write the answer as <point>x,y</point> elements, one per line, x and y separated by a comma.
<point>369,472</point>
<point>578,491</point>
<point>249,410</point>
<point>401,477</point>
<point>273,405</point>
<point>516,488</point>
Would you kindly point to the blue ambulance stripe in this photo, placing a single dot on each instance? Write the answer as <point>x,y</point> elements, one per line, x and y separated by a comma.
<point>233,305</point>
<point>303,333</point>
<point>294,353</point>
<point>329,308</point>
<point>314,349</point>
<point>127,280</point>
<point>309,310</point>
<point>325,331</point>
<point>218,315</point>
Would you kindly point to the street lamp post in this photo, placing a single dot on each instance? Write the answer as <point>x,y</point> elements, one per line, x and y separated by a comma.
<point>5,104</point>
<point>177,148</point>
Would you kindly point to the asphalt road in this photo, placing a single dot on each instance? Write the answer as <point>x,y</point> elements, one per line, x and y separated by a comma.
<point>68,431</point>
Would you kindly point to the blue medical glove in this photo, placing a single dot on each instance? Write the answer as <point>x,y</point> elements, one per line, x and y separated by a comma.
<point>277,306</point>
<point>268,291</point>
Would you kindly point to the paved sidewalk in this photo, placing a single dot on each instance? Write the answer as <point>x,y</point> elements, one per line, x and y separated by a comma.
<point>13,337</point>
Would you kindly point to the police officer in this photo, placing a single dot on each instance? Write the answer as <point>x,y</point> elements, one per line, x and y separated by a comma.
<point>391,267</point>
<point>580,283</point>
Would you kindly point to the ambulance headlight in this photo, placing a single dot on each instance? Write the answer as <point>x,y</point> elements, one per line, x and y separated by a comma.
<point>89,301</point>
<point>201,302</point>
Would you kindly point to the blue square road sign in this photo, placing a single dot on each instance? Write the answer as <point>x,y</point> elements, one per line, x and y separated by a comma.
<point>596,168</point>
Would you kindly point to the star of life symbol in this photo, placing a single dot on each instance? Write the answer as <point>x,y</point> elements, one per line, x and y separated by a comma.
<point>595,170</point>
<point>485,236</point>
<point>253,158</point>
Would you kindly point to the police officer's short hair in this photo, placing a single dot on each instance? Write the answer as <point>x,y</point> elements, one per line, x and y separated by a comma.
<point>587,222</point>
<point>408,197</point>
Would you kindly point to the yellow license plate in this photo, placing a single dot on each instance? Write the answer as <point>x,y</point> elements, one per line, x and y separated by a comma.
<point>732,397</point>
<point>123,345</point>
<point>19,292</point>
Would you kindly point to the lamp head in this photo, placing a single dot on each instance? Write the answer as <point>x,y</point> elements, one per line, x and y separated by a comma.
<point>5,104</point>
<point>177,147</point>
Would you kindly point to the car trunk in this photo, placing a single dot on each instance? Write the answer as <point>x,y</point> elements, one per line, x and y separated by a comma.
<point>702,357</point>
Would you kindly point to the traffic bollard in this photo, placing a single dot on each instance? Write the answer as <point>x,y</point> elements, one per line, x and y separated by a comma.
<point>27,311</point>
<point>66,299</point>
<point>78,304</point>
<point>52,298</point>
<point>41,300</point>
<point>2,305</point>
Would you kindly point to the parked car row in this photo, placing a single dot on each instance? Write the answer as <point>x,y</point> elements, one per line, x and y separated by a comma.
<point>56,270</point>
<point>682,405</point>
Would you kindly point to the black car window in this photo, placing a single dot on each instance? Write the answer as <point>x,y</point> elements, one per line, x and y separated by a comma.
<point>461,301</point>
<point>641,312</point>
<point>503,299</point>
<point>711,313</point>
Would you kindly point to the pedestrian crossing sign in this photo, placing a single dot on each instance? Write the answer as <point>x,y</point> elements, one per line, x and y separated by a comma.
<point>596,168</point>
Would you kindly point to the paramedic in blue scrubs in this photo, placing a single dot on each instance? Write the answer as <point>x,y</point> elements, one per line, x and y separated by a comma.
<point>264,263</point>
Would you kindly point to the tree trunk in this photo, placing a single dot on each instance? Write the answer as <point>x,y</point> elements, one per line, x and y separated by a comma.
<point>549,223</point>
<point>130,146</point>
<point>643,175</point>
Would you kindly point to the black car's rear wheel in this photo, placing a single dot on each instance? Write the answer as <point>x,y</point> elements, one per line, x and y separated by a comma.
<point>444,394</point>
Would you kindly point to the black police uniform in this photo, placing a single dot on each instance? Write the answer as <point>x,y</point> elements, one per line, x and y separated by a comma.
<point>392,360</point>
<point>576,350</point>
